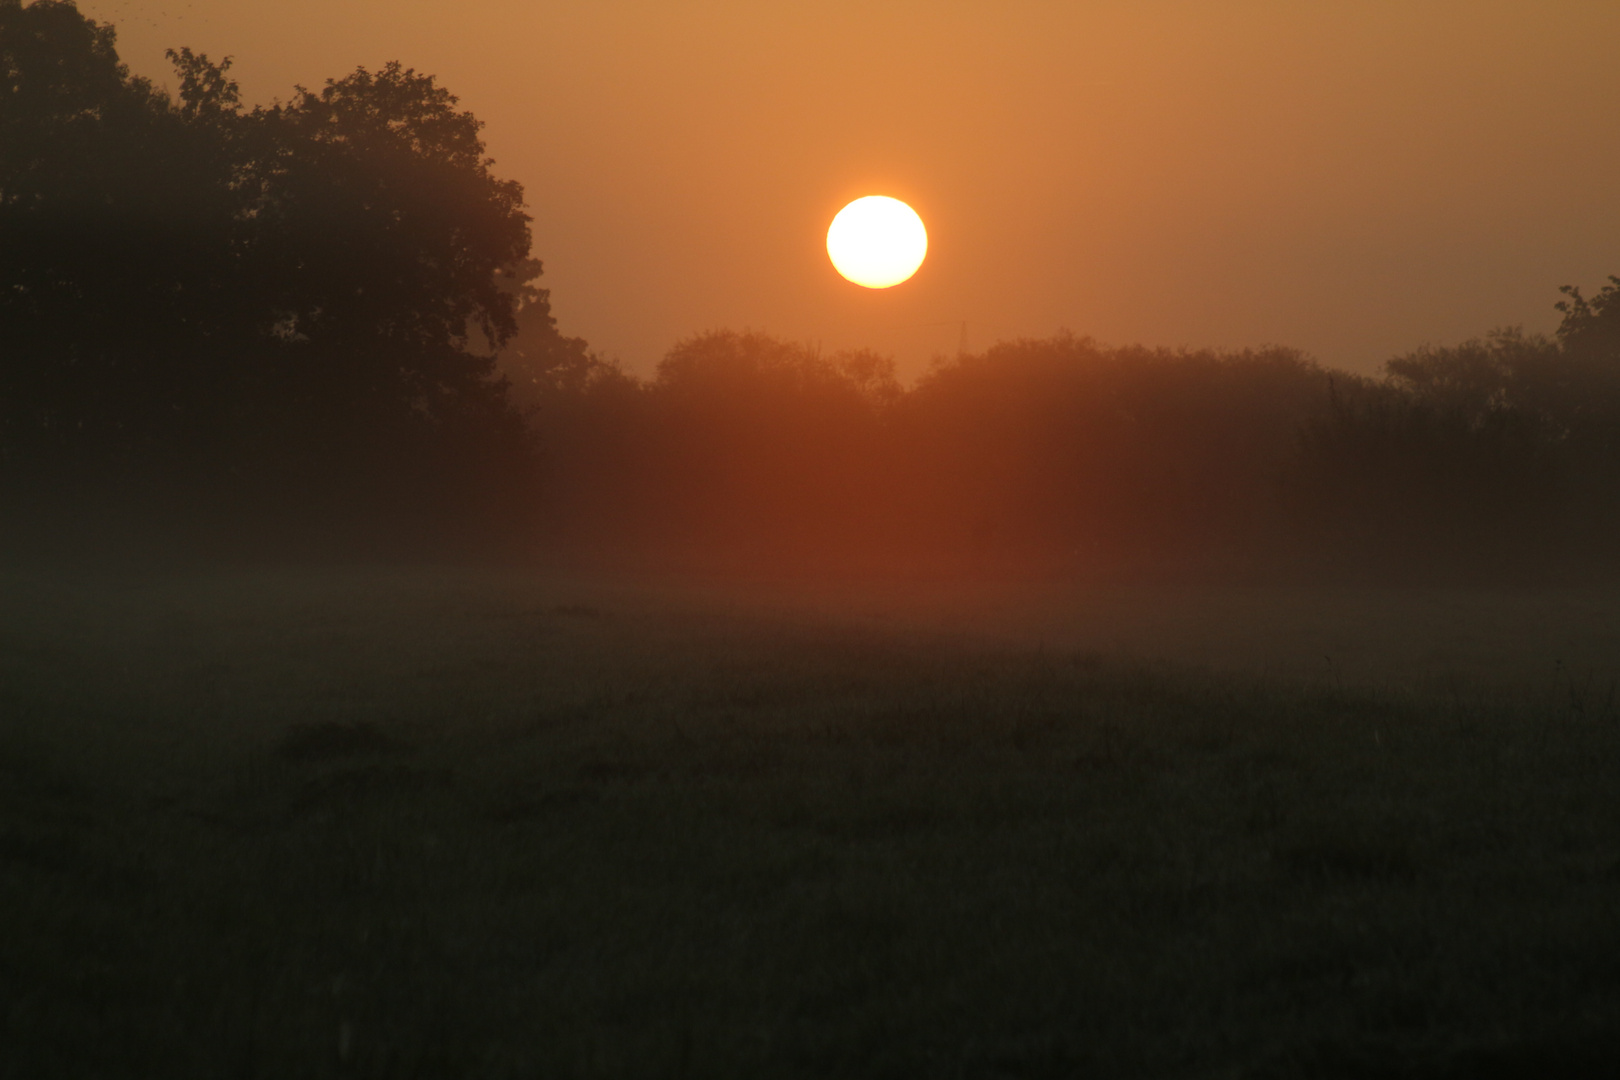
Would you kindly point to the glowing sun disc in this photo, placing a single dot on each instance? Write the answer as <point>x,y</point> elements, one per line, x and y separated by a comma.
<point>877,242</point>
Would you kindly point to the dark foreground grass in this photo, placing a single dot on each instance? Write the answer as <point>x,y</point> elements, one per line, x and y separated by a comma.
<point>342,826</point>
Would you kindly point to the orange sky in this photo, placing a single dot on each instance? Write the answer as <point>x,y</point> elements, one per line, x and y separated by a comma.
<point>1351,178</point>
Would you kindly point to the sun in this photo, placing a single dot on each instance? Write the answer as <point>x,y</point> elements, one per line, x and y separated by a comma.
<point>877,242</point>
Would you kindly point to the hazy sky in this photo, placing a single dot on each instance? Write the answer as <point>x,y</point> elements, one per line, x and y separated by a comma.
<point>1352,178</point>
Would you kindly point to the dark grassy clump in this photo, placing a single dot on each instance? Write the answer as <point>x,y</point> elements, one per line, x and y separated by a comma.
<point>358,827</point>
<point>324,741</point>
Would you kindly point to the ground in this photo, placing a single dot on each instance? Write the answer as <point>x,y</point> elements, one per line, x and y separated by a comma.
<point>502,824</point>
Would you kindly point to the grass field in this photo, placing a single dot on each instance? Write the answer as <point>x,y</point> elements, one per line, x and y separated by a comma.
<point>409,823</point>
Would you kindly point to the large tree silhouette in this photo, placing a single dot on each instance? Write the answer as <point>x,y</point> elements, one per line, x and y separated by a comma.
<point>305,296</point>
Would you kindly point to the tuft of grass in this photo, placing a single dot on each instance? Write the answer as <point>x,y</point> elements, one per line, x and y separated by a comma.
<point>330,740</point>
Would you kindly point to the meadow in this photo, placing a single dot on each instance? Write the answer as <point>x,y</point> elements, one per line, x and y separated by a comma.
<point>349,823</point>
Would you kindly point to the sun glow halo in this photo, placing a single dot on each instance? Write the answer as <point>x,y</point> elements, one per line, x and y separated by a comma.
<point>877,242</point>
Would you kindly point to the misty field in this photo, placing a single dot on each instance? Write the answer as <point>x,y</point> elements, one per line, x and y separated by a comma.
<point>401,823</point>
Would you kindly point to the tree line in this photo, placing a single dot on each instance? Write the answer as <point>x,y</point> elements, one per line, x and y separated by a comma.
<point>316,325</point>
<point>1497,459</point>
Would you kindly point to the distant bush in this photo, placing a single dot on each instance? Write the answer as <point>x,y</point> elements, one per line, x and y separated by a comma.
<point>1065,451</point>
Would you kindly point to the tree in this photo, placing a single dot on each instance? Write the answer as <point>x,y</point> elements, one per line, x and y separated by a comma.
<point>1588,387</point>
<point>102,210</point>
<point>379,226</point>
<point>1592,325</point>
<point>542,366</point>
<point>1568,386</point>
<point>305,295</point>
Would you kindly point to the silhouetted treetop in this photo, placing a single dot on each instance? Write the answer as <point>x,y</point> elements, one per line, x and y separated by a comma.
<point>1590,379</point>
<point>1481,377</point>
<point>1594,323</point>
<point>64,87</point>
<point>542,364</point>
<point>192,280</point>
<point>380,219</point>
<point>206,92</point>
<point>726,361</point>
<point>362,216</point>
<point>1568,384</point>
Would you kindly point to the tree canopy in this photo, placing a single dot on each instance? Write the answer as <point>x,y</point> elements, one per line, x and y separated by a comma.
<point>291,291</point>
